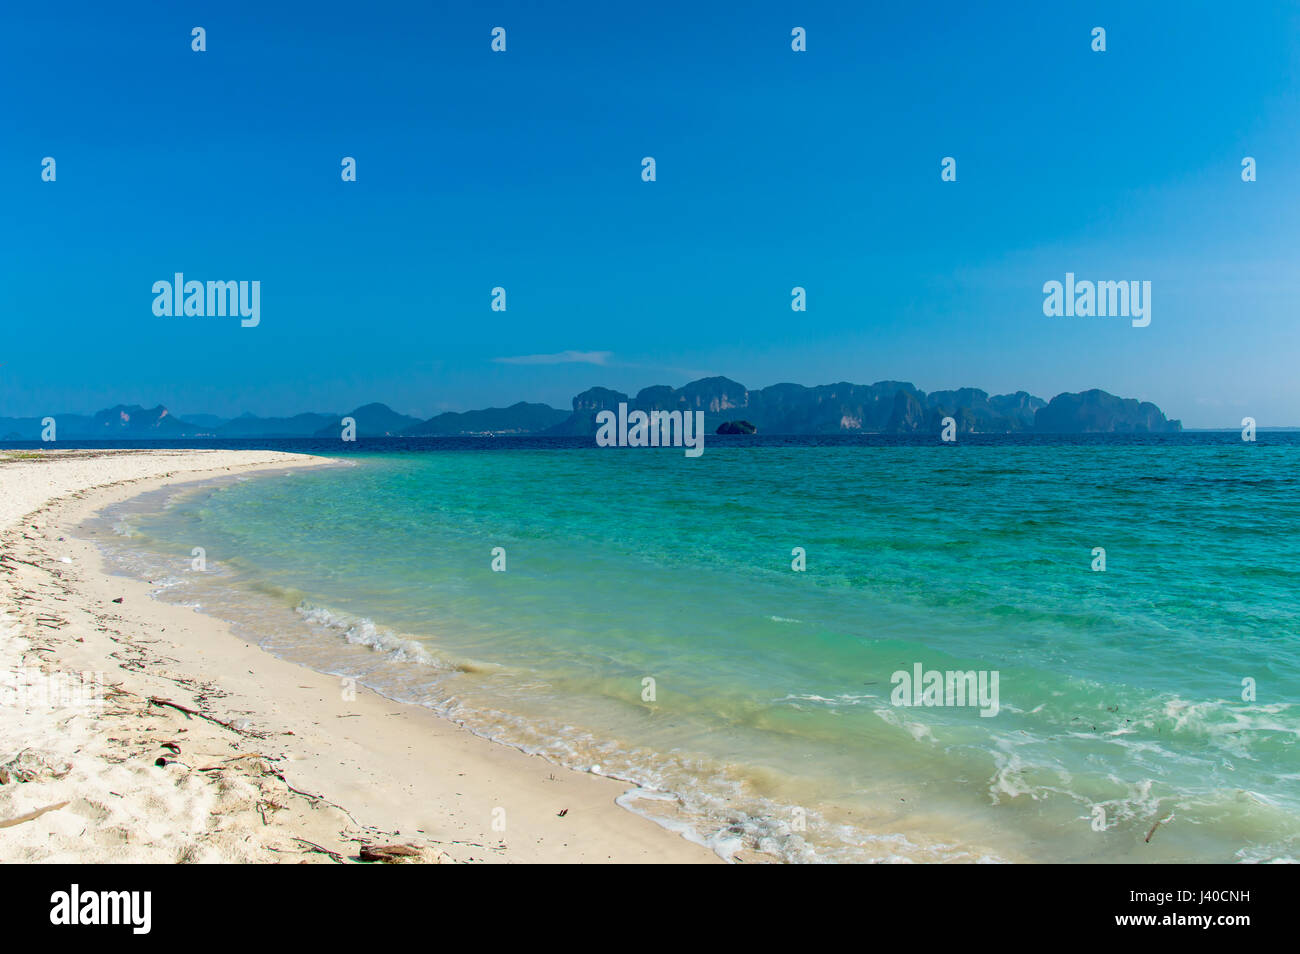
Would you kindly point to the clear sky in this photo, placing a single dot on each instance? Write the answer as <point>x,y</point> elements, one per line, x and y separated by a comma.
<point>523,169</point>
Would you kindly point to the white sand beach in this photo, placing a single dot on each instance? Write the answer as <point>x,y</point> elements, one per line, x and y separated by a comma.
<point>271,762</point>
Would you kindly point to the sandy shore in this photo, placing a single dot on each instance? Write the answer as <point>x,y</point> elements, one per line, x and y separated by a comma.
<point>273,763</point>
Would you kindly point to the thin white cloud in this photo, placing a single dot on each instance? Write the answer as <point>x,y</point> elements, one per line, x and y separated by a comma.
<point>560,357</point>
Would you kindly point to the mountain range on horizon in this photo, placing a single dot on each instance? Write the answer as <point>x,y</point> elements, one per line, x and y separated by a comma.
<point>886,407</point>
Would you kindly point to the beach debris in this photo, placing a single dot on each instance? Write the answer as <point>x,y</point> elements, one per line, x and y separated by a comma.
<point>157,701</point>
<point>271,770</point>
<point>561,813</point>
<point>239,725</point>
<point>260,764</point>
<point>171,747</point>
<point>29,766</point>
<point>1159,822</point>
<point>118,600</point>
<point>595,770</point>
<point>312,846</point>
<point>30,815</point>
<point>390,854</point>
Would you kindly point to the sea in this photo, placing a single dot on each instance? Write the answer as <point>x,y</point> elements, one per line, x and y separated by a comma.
<point>751,639</point>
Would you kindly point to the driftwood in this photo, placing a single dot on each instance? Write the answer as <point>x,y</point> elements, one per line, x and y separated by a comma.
<point>5,556</point>
<point>30,815</point>
<point>333,855</point>
<point>389,854</point>
<point>155,700</point>
<point>1158,823</point>
<point>225,763</point>
<point>167,703</point>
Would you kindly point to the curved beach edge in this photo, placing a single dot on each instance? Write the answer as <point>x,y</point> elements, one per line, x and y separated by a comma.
<point>132,730</point>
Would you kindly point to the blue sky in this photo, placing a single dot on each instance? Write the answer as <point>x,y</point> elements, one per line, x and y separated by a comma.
<point>522,169</point>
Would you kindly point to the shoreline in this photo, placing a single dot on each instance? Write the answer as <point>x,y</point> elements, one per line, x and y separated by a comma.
<point>276,763</point>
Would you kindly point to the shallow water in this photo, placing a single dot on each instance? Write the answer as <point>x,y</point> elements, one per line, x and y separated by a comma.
<point>771,725</point>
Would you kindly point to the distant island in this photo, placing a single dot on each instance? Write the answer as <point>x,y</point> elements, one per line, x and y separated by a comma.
<point>886,407</point>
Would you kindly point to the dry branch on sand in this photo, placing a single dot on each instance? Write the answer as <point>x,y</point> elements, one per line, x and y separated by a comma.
<point>30,815</point>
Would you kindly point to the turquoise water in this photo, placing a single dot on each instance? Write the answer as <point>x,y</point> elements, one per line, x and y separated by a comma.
<point>771,727</point>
